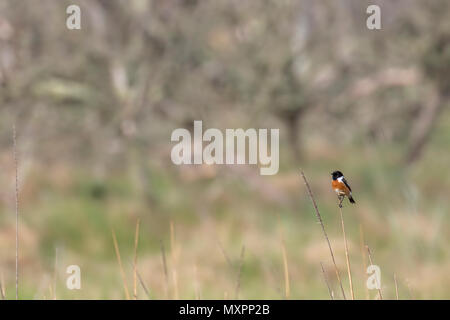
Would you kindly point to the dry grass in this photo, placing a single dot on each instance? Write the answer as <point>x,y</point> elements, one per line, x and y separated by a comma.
<point>55,274</point>
<point>287,287</point>
<point>166,272</point>
<point>326,281</point>
<point>347,259</point>
<point>396,286</point>
<point>2,291</point>
<point>364,259</point>
<point>239,274</point>
<point>144,287</point>
<point>119,260</point>
<point>286,275</point>
<point>196,284</point>
<point>319,218</point>
<point>174,257</point>
<point>16,167</point>
<point>380,293</point>
<point>136,240</point>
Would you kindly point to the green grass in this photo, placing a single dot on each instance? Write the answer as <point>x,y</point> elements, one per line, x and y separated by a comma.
<point>403,212</point>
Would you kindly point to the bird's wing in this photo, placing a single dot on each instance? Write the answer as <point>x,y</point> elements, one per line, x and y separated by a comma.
<point>346,184</point>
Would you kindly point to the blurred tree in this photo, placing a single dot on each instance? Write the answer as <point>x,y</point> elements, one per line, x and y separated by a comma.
<point>436,65</point>
<point>114,90</point>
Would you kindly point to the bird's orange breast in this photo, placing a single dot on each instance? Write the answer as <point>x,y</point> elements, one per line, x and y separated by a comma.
<point>339,187</point>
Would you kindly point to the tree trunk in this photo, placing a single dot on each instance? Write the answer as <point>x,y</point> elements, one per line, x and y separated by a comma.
<point>293,123</point>
<point>423,126</point>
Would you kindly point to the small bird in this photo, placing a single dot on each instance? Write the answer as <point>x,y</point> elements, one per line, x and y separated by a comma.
<point>341,187</point>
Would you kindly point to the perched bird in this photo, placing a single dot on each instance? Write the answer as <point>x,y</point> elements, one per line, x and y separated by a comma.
<point>341,187</point>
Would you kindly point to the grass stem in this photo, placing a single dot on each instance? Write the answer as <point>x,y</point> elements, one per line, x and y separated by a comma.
<point>241,264</point>
<point>136,240</point>
<point>371,262</point>
<point>166,273</point>
<point>119,260</point>
<point>174,256</point>
<point>349,271</point>
<point>396,286</point>
<point>16,166</point>
<point>324,232</point>
<point>363,254</point>
<point>326,282</point>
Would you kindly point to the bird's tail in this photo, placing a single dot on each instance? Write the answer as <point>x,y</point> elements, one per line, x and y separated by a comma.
<point>351,199</point>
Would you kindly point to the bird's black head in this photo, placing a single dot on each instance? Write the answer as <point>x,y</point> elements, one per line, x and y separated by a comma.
<point>336,174</point>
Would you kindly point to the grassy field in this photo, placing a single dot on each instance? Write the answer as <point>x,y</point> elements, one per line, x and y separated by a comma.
<point>226,232</point>
<point>95,108</point>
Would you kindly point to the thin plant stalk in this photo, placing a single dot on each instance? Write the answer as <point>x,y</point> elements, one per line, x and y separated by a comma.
<point>196,284</point>
<point>143,284</point>
<point>396,286</point>
<point>136,240</point>
<point>55,273</point>
<point>17,210</point>
<point>319,218</point>
<point>119,260</point>
<point>166,274</point>
<point>2,293</point>
<point>227,258</point>
<point>286,270</point>
<point>241,263</point>
<point>2,289</point>
<point>326,282</point>
<point>141,281</point>
<point>174,260</point>
<point>50,290</point>
<point>409,289</point>
<point>349,271</point>
<point>371,262</point>
<point>363,253</point>
<point>287,287</point>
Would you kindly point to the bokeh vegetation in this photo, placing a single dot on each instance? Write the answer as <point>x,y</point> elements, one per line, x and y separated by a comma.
<point>94,109</point>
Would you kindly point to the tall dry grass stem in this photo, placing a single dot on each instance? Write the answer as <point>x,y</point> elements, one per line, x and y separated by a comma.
<point>347,259</point>
<point>196,284</point>
<point>174,253</point>
<point>2,286</point>
<point>55,273</point>
<point>326,281</point>
<point>16,166</point>
<point>287,287</point>
<point>409,289</point>
<point>141,281</point>
<point>239,274</point>
<point>166,273</point>
<point>396,286</point>
<point>227,258</point>
<point>2,291</point>
<point>319,218</point>
<point>363,254</point>
<point>371,262</point>
<point>119,260</point>
<point>136,241</point>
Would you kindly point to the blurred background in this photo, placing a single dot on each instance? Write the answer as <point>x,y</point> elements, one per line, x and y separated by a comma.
<point>94,110</point>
